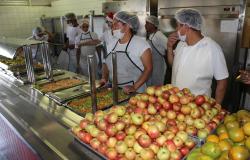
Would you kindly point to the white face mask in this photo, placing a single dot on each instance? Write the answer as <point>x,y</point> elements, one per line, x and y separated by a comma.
<point>118,34</point>
<point>182,37</point>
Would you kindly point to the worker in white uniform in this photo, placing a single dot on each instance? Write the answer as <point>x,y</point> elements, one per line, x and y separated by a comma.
<point>86,45</point>
<point>157,41</point>
<point>134,57</point>
<point>67,58</point>
<point>197,59</point>
<point>39,35</point>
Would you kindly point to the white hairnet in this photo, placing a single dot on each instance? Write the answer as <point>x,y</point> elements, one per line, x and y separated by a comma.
<point>190,17</point>
<point>85,21</point>
<point>70,16</point>
<point>36,31</point>
<point>128,18</point>
<point>153,20</point>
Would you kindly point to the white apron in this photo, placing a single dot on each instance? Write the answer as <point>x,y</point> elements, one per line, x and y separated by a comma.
<point>159,66</point>
<point>85,51</point>
<point>127,71</point>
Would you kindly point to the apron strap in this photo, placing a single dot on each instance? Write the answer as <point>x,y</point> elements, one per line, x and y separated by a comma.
<point>86,38</point>
<point>126,83</point>
<point>155,47</point>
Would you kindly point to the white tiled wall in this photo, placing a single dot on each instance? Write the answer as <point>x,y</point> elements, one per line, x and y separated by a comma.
<point>18,21</point>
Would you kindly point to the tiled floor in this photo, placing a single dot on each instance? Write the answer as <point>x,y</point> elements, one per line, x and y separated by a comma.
<point>12,145</point>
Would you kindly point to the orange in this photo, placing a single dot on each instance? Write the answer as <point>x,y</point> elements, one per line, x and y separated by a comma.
<point>224,145</point>
<point>236,134</point>
<point>246,128</point>
<point>213,138</point>
<point>238,153</point>
<point>223,136</point>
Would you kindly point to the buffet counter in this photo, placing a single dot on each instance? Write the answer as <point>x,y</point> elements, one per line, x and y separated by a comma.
<point>40,121</point>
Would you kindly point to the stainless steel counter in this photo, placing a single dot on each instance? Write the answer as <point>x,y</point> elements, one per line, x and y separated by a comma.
<point>42,123</point>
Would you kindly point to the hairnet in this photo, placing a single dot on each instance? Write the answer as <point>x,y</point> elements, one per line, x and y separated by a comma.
<point>153,20</point>
<point>85,21</point>
<point>70,16</point>
<point>128,18</point>
<point>190,17</point>
<point>36,31</point>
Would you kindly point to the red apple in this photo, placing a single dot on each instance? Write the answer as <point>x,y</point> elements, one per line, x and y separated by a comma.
<point>81,135</point>
<point>111,153</point>
<point>121,147</point>
<point>185,109</point>
<point>147,153</point>
<point>212,125</point>
<point>170,145</point>
<point>111,130</point>
<point>163,112</point>
<point>130,140</point>
<point>176,155</point>
<point>141,104</point>
<point>144,140</point>
<point>165,94</point>
<point>151,109</point>
<point>94,143</point>
<point>181,126</point>
<point>180,117</point>
<point>195,113</point>
<point>130,130</point>
<point>84,123</point>
<point>155,148</point>
<point>184,100</point>
<point>120,125</point>
<point>163,154</point>
<point>173,98</point>
<point>186,91</point>
<point>132,101</point>
<point>176,106</point>
<point>153,131</point>
<point>161,140</point>
<point>189,120</point>
<point>171,122</point>
<point>206,105</point>
<point>102,149</point>
<point>150,90</point>
<point>126,119</point>
<point>171,114</point>
<point>144,97</point>
<point>189,143</point>
<point>161,100</point>
<point>199,100</point>
<point>102,125</point>
<point>158,106</point>
<point>139,132</point>
<point>152,99</point>
<point>102,137</point>
<point>161,126</point>
<point>191,130</point>
<point>111,142</point>
<point>130,154</point>
<point>169,135</point>
<point>120,136</point>
<point>173,129</point>
<point>178,142</point>
<point>184,151</point>
<point>112,117</point>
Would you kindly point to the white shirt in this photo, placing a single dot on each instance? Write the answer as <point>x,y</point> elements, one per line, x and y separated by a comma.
<point>72,32</point>
<point>160,41</point>
<point>195,66</point>
<point>78,39</point>
<point>135,49</point>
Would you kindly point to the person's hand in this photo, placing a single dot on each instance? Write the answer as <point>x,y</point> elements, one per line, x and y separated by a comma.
<point>129,89</point>
<point>172,39</point>
<point>245,77</point>
<point>102,82</point>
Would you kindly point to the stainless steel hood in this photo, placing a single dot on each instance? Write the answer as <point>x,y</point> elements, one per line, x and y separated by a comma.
<point>9,46</point>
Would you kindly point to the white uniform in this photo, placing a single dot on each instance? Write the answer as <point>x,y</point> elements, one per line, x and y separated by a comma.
<point>67,60</point>
<point>129,64</point>
<point>158,43</point>
<point>195,66</point>
<point>86,50</point>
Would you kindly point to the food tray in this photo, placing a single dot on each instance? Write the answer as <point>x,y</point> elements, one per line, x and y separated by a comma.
<point>82,110</point>
<point>39,86</point>
<point>7,63</point>
<point>68,94</point>
<point>104,157</point>
<point>41,75</point>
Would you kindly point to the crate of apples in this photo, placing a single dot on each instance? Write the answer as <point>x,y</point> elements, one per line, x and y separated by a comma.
<point>153,125</point>
<point>231,139</point>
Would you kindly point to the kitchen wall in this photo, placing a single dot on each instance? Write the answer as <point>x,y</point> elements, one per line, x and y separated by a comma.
<point>18,21</point>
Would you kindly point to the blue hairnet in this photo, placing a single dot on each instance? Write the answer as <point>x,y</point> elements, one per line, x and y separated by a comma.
<point>128,18</point>
<point>190,17</point>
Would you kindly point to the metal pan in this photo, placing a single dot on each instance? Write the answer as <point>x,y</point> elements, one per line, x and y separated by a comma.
<point>88,109</point>
<point>39,86</point>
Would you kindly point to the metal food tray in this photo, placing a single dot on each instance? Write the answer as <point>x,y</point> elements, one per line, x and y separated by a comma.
<point>104,157</point>
<point>5,66</point>
<point>37,86</point>
<point>84,96</point>
<point>68,94</point>
<point>87,146</point>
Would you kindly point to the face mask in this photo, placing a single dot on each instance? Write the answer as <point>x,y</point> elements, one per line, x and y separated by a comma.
<point>182,37</point>
<point>118,34</point>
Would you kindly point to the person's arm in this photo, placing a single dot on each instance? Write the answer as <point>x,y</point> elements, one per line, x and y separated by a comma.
<point>90,43</point>
<point>146,59</point>
<point>220,91</point>
<point>105,74</point>
<point>172,39</point>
